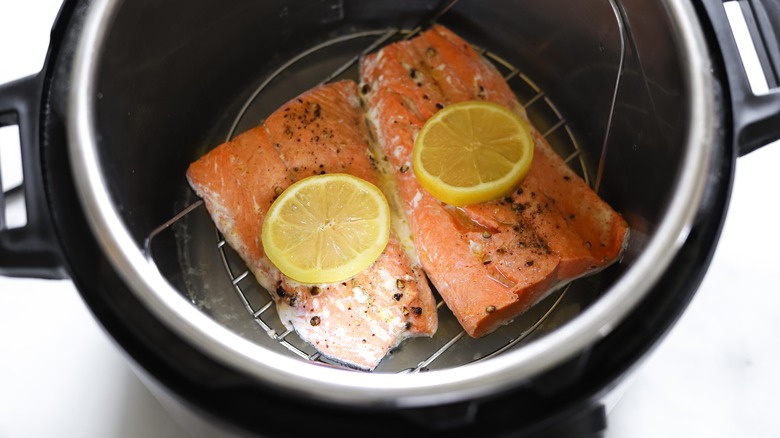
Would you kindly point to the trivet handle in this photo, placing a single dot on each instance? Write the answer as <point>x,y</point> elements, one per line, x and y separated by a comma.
<point>31,250</point>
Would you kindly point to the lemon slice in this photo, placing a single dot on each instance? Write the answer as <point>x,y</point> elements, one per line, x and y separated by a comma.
<point>472,152</point>
<point>326,228</point>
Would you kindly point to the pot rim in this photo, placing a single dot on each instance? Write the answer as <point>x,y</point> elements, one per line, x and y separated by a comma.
<point>397,390</point>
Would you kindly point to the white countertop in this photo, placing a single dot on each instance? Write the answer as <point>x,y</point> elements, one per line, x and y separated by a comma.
<point>715,375</point>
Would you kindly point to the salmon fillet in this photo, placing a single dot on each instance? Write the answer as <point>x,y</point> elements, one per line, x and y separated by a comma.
<point>490,262</point>
<point>355,322</point>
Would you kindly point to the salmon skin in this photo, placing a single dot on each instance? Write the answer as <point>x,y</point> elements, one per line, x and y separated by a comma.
<point>490,262</point>
<point>355,322</point>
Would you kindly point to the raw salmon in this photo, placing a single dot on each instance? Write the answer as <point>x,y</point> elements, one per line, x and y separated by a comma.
<point>355,322</point>
<point>490,262</point>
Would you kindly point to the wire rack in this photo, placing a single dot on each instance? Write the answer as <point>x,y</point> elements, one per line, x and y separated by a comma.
<point>450,341</point>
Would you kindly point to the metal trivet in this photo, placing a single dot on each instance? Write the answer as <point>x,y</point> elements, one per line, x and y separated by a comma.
<point>450,340</point>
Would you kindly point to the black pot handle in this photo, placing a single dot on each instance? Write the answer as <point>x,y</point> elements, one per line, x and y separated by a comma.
<point>756,116</point>
<point>31,250</point>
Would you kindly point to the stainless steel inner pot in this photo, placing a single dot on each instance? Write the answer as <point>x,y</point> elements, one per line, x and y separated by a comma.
<point>624,91</point>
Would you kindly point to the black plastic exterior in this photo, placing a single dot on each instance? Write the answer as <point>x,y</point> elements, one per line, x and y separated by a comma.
<point>559,403</point>
<point>756,117</point>
<point>763,18</point>
<point>563,402</point>
<point>31,250</point>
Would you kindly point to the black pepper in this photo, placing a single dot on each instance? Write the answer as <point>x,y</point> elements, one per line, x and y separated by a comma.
<point>314,321</point>
<point>397,296</point>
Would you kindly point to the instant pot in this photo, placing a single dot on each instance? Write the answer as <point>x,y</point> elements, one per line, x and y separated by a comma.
<point>648,101</point>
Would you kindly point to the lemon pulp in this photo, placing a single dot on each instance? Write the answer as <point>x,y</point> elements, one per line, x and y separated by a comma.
<point>326,228</point>
<point>472,152</point>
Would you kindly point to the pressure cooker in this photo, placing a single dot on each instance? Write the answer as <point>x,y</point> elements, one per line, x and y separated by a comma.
<point>647,100</point>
